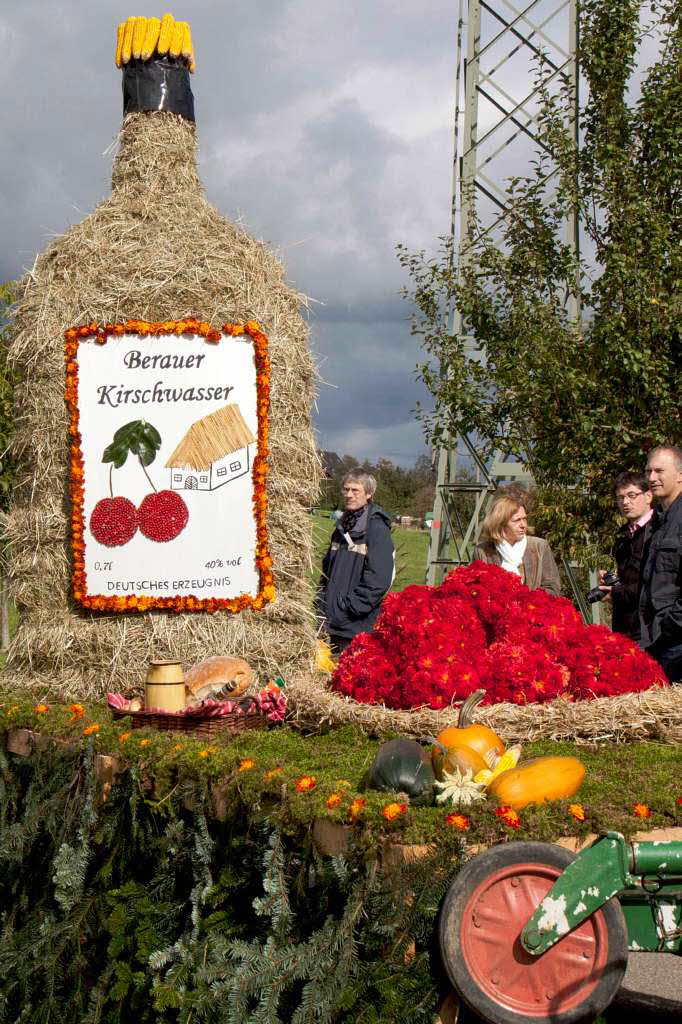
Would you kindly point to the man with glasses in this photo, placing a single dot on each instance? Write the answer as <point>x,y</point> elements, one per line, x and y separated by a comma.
<point>634,499</point>
<point>660,602</point>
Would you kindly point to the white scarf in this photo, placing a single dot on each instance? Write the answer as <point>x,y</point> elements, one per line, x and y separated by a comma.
<point>512,554</point>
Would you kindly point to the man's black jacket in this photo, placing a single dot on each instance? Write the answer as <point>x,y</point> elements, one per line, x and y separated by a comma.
<point>356,576</point>
<point>660,602</point>
<point>629,553</point>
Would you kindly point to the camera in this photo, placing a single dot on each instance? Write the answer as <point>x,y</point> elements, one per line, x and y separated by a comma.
<point>610,579</point>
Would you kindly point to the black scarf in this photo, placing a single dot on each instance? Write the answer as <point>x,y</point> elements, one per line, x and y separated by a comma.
<point>350,519</point>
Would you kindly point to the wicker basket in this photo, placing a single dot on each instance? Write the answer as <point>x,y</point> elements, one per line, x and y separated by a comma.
<point>232,723</point>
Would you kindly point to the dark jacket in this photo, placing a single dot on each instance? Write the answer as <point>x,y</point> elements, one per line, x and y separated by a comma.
<point>356,576</point>
<point>629,553</point>
<point>539,568</point>
<point>660,601</point>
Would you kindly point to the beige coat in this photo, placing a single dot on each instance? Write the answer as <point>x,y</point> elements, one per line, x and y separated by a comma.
<point>539,568</point>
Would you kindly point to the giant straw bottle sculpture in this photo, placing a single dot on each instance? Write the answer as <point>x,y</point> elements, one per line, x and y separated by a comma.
<point>155,250</point>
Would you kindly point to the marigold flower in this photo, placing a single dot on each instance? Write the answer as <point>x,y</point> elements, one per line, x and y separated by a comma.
<point>508,816</point>
<point>207,751</point>
<point>13,710</point>
<point>678,801</point>
<point>305,783</point>
<point>577,810</point>
<point>176,748</point>
<point>246,764</point>
<point>394,810</point>
<point>41,709</point>
<point>333,801</point>
<point>77,709</point>
<point>357,807</point>
<point>90,729</point>
<point>269,775</point>
<point>457,821</point>
<point>124,737</point>
<point>145,743</point>
<point>641,811</point>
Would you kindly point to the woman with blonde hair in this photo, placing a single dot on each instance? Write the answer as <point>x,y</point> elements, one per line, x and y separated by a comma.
<point>505,541</point>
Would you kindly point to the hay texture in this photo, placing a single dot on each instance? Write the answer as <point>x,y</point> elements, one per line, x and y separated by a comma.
<point>651,714</point>
<point>155,250</point>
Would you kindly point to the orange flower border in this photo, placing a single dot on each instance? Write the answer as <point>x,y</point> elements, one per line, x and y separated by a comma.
<point>191,328</point>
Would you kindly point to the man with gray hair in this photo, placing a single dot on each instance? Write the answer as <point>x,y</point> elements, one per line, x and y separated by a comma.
<point>660,603</point>
<point>358,568</point>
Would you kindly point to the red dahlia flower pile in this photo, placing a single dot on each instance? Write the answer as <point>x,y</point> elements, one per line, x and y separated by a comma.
<point>483,628</point>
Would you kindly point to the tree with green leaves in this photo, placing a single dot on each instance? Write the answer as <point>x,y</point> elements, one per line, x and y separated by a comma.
<point>578,398</point>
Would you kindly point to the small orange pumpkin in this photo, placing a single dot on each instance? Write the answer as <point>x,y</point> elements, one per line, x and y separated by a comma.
<point>533,782</point>
<point>470,734</point>
<point>446,759</point>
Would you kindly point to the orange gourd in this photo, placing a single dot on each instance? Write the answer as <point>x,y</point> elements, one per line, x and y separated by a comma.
<point>447,759</point>
<point>474,735</point>
<point>533,782</point>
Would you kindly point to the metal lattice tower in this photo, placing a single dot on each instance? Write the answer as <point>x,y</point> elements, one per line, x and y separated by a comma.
<point>499,47</point>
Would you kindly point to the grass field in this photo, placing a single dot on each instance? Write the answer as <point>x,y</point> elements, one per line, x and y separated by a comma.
<point>411,547</point>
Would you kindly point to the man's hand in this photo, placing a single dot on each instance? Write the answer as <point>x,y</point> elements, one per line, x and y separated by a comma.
<point>606,591</point>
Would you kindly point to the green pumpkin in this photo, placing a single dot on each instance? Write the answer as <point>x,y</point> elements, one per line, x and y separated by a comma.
<point>403,766</point>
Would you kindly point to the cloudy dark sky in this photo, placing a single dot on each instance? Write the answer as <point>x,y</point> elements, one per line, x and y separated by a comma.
<point>324,128</point>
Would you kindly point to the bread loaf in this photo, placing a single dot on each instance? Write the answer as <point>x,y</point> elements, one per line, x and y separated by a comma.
<point>220,677</point>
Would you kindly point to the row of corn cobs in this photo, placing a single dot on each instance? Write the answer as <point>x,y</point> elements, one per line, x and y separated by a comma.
<point>143,38</point>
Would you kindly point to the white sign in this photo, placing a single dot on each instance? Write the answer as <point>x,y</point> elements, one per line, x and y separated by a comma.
<point>168,437</point>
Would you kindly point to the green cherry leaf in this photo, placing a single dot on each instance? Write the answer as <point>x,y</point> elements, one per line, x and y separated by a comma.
<point>150,434</point>
<point>146,455</point>
<point>127,431</point>
<point>116,453</point>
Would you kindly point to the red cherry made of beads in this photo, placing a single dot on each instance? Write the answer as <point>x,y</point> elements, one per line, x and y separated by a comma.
<point>162,516</point>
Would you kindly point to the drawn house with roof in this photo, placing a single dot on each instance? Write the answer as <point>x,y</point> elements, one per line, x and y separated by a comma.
<point>215,450</point>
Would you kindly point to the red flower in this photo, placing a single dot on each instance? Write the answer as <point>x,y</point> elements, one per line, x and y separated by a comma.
<point>305,783</point>
<point>457,821</point>
<point>508,816</point>
<point>482,628</point>
<point>641,811</point>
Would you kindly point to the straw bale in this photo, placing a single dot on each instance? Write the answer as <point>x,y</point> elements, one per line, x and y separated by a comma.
<point>154,250</point>
<point>653,714</point>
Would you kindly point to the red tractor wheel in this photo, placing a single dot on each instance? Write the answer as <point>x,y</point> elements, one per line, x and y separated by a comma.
<point>481,921</point>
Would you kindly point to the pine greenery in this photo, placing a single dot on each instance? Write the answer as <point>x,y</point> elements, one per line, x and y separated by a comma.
<point>136,909</point>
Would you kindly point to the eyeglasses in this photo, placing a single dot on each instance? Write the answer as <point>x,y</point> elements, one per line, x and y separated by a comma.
<point>630,496</point>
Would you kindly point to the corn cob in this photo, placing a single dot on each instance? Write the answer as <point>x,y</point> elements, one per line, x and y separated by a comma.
<point>175,48</point>
<point>127,40</point>
<point>119,42</point>
<point>165,34</point>
<point>139,33</point>
<point>186,50</point>
<point>151,37</point>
